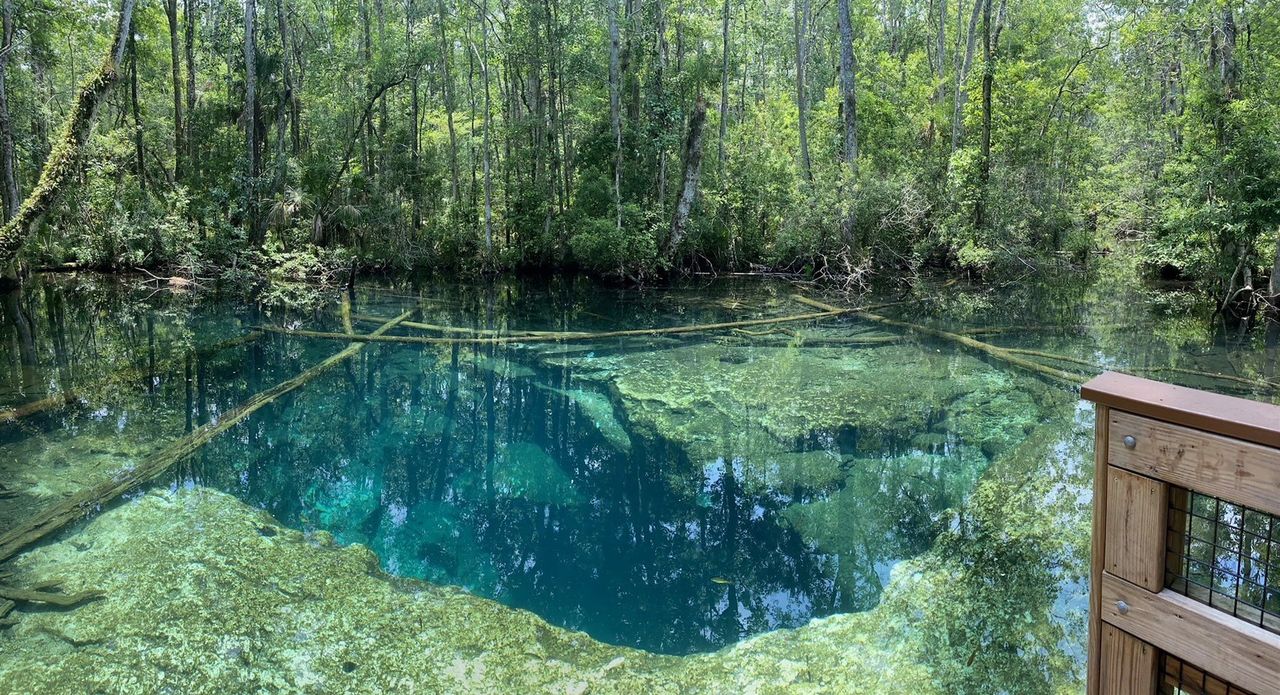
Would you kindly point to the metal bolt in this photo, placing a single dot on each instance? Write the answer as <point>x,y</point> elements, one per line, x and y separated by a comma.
<point>1122,608</point>
<point>1129,441</point>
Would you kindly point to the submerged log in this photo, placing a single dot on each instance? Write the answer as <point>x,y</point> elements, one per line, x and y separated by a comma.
<point>53,402</point>
<point>47,597</point>
<point>560,337</point>
<point>87,500</point>
<point>454,329</point>
<point>999,353</point>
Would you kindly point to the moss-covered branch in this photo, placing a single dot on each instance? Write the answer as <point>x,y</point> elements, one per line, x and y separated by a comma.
<point>61,165</point>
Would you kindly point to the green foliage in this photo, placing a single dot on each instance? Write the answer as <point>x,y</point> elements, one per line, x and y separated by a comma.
<point>1121,121</point>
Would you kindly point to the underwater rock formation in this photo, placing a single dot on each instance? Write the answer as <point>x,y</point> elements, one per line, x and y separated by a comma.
<point>205,594</point>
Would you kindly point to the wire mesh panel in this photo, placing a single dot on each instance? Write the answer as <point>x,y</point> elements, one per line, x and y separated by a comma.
<point>1177,677</point>
<point>1225,555</point>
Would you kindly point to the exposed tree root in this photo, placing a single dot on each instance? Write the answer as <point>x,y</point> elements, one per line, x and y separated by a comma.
<point>72,508</point>
<point>999,353</point>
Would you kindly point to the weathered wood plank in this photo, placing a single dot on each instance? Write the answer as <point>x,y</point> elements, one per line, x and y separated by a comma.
<point>1243,654</point>
<point>1234,470</point>
<point>1128,665</point>
<point>1136,516</point>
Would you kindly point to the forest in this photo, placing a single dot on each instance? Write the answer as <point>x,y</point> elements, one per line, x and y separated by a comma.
<point>233,141</point>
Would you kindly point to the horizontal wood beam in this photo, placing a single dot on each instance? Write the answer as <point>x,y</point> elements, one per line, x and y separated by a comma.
<point>1245,655</point>
<point>1234,470</point>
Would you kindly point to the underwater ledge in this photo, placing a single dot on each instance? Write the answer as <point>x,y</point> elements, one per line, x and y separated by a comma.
<point>206,594</point>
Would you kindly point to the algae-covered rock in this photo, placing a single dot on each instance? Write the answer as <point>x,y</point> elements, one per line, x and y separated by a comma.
<point>600,411</point>
<point>887,510</point>
<point>695,395</point>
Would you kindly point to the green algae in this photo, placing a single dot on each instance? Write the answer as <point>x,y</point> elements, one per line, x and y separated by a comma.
<point>886,509</point>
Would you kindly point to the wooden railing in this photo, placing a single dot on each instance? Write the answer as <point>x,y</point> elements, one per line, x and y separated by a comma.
<point>1185,594</point>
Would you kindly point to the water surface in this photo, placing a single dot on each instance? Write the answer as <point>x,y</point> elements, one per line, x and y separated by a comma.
<point>675,493</point>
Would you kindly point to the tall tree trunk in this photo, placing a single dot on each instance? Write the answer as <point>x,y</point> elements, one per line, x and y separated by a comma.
<point>366,57</point>
<point>8,174</point>
<point>990,45</point>
<point>849,107</point>
<point>189,45</point>
<point>139,162</point>
<point>615,109</point>
<point>61,166</point>
<point>446,83</point>
<point>724,86</point>
<point>415,146</point>
<point>488,173</point>
<point>962,75</point>
<point>290,88</point>
<point>659,75</point>
<point>801,12</point>
<point>253,167</point>
<point>692,172</point>
<point>175,70</point>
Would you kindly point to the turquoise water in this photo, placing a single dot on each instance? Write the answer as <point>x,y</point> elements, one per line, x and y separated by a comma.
<point>674,493</point>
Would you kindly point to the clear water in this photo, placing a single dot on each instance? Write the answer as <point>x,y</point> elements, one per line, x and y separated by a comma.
<point>671,493</point>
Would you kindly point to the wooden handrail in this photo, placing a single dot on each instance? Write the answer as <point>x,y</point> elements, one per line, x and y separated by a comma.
<point>1155,444</point>
<point>1226,415</point>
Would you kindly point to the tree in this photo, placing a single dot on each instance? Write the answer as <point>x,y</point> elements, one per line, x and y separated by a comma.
<point>849,107</point>
<point>61,167</point>
<point>253,166</point>
<point>8,176</point>
<point>692,172</point>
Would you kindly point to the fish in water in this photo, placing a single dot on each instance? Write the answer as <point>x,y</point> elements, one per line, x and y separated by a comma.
<point>600,410</point>
<point>721,580</point>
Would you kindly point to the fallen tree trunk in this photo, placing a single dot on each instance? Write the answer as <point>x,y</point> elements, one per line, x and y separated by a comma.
<point>53,402</point>
<point>965,341</point>
<point>454,329</point>
<point>558,337</point>
<point>61,165</point>
<point>91,498</point>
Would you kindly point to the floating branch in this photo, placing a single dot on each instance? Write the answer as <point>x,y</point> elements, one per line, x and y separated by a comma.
<point>89,499</point>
